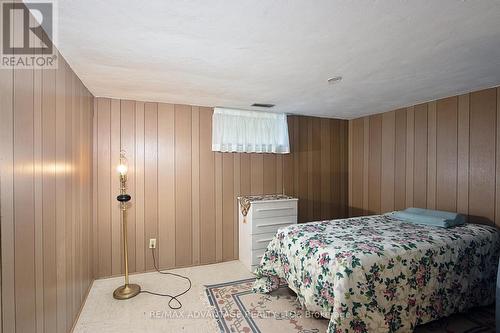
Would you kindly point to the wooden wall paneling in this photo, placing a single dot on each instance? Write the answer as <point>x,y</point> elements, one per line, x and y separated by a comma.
<point>60,148</point>
<point>80,217</point>
<point>387,174</point>
<point>7,270</point>
<point>87,186</point>
<point>78,132</point>
<point>315,166</point>
<point>269,176</point>
<point>375,164</point>
<point>103,179</point>
<point>410,154</point>
<point>38,196</point>
<point>325,166</point>
<point>24,230</point>
<point>77,195</point>
<point>127,144</point>
<point>218,207</point>
<point>116,224</point>
<point>303,167</point>
<point>296,158</point>
<point>335,168</point>
<point>92,107</point>
<point>288,161</point>
<point>151,178</point>
<point>308,195</point>
<point>463,155</point>
<point>420,159</point>
<point>79,158</point>
<point>198,223</point>
<point>24,286</point>
<point>482,155</point>
<point>343,161</point>
<point>70,170</point>
<point>245,174</point>
<point>76,219</point>
<point>74,197</point>
<point>366,165</point>
<point>446,138</point>
<point>166,190</point>
<point>207,188</point>
<point>443,156</point>
<point>400,160</point>
<point>95,242</point>
<point>356,204</point>
<point>183,223</point>
<point>195,182</point>
<point>84,202</point>
<point>227,206</point>
<point>431,154</point>
<point>139,187</point>
<point>497,179</point>
<point>41,285</point>
<point>350,167</point>
<point>236,194</point>
<point>257,174</point>
<point>279,174</point>
<point>310,171</point>
<point>75,189</point>
<point>89,183</point>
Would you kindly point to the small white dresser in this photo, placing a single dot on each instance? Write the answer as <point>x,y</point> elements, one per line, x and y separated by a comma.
<point>264,217</point>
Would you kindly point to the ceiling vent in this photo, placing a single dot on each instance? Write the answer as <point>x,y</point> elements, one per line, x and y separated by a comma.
<point>263,105</point>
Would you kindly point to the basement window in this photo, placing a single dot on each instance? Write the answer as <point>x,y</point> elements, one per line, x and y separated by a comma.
<point>242,131</point>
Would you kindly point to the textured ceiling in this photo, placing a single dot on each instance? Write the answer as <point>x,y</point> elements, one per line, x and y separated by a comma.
<point>234,53</point>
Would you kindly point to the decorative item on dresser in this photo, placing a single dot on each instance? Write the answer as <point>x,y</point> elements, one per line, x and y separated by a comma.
<point>260,216</point>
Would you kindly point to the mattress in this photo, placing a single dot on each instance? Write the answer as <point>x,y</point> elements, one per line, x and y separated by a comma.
<point>379,274</point>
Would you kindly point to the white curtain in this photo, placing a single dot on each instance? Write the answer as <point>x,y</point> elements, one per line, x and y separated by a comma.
<point>249,131</point>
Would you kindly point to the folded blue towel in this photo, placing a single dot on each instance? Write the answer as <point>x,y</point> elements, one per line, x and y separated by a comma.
<point>430,217</point>
<point>456,217</point>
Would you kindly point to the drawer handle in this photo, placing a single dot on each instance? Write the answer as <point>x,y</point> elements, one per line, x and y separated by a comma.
<point>268,209</point>
<point>264,240</point>
<point>271,224</point>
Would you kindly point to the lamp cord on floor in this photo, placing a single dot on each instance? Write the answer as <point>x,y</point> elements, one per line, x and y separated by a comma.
<point>172,297</point>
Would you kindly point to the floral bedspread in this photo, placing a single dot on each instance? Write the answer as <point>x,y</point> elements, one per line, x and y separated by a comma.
<point>379,274</point>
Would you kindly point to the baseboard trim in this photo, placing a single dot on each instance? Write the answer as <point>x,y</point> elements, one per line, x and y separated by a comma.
<point>82,305</point>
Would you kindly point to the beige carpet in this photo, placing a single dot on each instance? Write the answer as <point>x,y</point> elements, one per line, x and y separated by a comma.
<point>151,314</point>
<point>238,309</point>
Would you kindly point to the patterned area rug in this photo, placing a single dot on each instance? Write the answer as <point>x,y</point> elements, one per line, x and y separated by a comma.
<point>238,309</point>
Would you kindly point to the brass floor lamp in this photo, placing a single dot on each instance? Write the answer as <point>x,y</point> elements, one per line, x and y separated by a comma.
<point>127,290</point>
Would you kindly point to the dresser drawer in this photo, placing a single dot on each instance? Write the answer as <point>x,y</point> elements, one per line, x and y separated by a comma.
<point>272,209</point>
<point>260,241</point>
<point>272,224</point>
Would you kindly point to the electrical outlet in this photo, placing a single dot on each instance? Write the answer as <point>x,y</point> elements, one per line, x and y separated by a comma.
<point>152,243</point>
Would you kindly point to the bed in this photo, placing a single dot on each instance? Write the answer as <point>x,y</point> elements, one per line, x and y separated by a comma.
<point>380,274</point>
